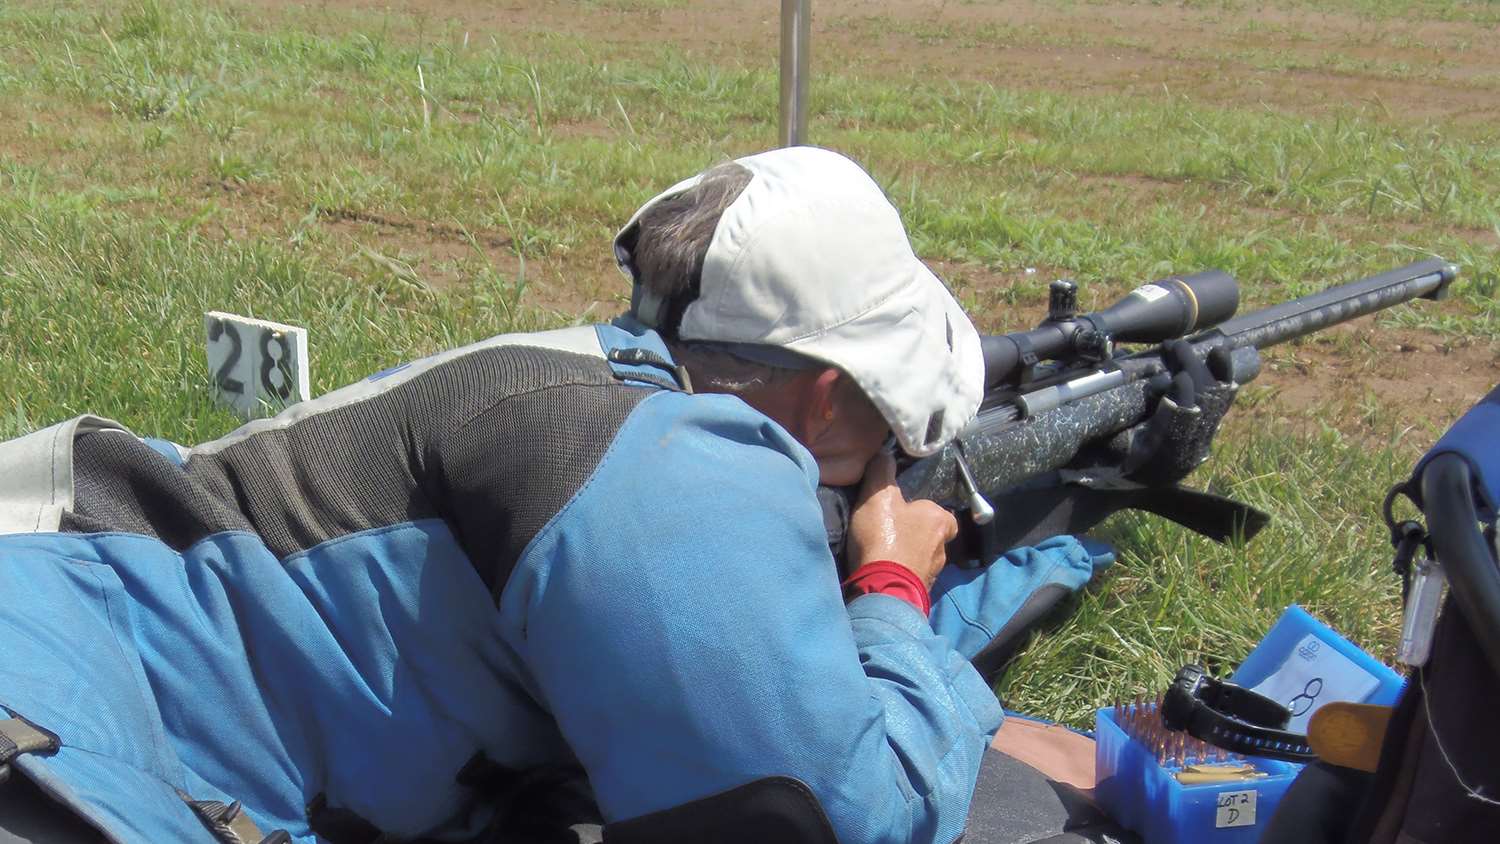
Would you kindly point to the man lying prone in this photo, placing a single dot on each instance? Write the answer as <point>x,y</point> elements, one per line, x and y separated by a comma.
<point>541,581</point>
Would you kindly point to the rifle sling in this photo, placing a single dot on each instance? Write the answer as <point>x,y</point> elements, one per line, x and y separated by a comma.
<point>1073,503</point>
<point>1217,517</point>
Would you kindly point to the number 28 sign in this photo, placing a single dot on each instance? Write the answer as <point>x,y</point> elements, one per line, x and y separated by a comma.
<point>254,366</point>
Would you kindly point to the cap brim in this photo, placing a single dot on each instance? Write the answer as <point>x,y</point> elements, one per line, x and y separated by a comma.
<point>917,357</point>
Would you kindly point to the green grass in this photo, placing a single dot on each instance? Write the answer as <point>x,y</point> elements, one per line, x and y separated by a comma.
<point>1174,598</point>
<point>159,159</point>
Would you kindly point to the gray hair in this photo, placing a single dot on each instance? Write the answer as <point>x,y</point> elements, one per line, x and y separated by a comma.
<point>674,234</point>
<point>670,247</point>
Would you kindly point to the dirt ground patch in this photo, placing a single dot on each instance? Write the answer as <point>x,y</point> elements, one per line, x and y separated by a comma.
<point>434,254</point>
<point>1365,376</point>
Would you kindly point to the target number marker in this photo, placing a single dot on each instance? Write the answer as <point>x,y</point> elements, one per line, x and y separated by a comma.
<point>255,367</point>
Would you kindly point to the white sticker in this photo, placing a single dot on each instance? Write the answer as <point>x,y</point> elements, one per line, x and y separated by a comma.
<point>1150,292</point>
<point>1236,808</point>
<point>1313,675</point>
<point>254,366</point>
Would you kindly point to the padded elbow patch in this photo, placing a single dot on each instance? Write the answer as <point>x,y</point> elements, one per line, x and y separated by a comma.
<point>769,809</point>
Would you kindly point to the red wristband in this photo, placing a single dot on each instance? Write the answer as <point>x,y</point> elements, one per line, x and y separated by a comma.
<point>889,578</point>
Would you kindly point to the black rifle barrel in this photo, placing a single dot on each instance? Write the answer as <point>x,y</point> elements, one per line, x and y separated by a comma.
<point>1005,447</point>
<point>1279,323</point>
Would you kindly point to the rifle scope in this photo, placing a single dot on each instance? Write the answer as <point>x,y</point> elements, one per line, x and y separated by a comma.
<point>1152,313</point>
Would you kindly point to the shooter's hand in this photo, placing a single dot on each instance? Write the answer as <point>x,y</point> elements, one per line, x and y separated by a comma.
<point>885,526</point>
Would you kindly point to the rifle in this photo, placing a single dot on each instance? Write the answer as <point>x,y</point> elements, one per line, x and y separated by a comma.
<point>1065,386</point>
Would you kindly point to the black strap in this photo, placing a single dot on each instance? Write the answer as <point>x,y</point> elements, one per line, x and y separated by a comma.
<point>1406,536</point>
<point>550,804</point>
<point>1243,704</point>
<point>1231,717</point>
<point>1412,537</point>
<point>339,825</point>
<point>768,809</point>
<point>1067,502</point>
<point>678,382</point>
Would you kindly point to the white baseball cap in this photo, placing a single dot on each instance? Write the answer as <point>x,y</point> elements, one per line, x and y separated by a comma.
<point>812,258</point>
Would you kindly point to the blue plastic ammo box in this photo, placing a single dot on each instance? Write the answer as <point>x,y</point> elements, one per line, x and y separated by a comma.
<point>1140,794</point>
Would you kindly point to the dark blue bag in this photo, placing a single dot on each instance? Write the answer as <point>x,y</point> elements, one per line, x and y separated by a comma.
<point>1438,778</point>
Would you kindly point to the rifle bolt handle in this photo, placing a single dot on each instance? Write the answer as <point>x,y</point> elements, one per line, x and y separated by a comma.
<point>979,509</point>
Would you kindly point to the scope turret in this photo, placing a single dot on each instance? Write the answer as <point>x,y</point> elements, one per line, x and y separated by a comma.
<point>1151,313</point>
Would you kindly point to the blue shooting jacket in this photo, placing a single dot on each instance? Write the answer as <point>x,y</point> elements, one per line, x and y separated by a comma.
<point>537,550</point>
